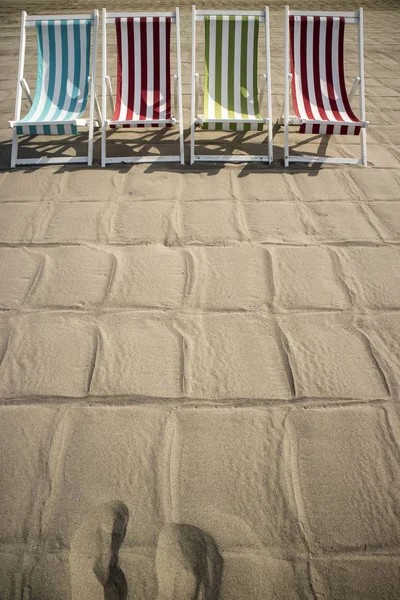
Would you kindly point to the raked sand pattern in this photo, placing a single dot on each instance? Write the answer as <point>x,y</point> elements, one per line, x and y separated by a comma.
<point>215,348</point>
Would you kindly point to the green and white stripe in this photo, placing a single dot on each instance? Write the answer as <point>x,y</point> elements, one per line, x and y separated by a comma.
<point>230,75</point>
<point>62,77</point>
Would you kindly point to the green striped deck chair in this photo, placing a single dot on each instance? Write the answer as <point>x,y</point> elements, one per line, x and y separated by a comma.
<point>62,81</point>
<point>231,100</point>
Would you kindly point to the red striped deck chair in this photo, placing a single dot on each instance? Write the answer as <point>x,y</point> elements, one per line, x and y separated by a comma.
<point>314,46</point>
<point>231,99</point>
<point>64,76</point>
<point>143,90</point>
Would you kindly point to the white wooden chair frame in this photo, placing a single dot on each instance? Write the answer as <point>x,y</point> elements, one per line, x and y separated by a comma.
<point>286,119</point>
<point>106,92</point>
<point>22,85</point>
<point>196,118</point>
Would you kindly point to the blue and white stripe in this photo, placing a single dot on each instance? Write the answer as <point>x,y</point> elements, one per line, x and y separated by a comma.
<point>62,77</point>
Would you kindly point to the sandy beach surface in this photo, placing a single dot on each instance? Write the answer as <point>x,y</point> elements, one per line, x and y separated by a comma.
<point>216,347</point>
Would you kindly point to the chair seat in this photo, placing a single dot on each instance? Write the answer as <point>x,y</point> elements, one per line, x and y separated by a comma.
<point>48,127</point>
<point>144,78</point>
<point>238,124</point>
<point>141,122</point>
<point>320,99</point>
<point>328,126</point>
<point>57,105</point>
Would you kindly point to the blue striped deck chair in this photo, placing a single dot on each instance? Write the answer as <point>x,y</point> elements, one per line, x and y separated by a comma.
<point>231,98</point>
<point>64,76</point>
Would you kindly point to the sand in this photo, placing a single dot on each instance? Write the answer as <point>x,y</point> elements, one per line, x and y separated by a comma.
<point>199,367</point>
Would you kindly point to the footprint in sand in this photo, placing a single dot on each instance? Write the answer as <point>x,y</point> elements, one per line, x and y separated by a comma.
<point>95,574</point>
<point>188,564</point>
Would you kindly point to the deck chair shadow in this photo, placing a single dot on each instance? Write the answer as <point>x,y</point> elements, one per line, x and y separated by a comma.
<point>64,76</point>
<point>314,46</point>
<point>231,99</point>
<point>143,92</point>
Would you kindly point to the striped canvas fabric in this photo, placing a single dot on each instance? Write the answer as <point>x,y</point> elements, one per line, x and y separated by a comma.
<point>144,72</point>
<point>62,77</point>
<point>318,82</point>
<point>230,77</point>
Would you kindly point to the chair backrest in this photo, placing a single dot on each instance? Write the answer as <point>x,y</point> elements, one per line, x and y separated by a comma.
<point>62,70</point>
<point>144,70</point>
<point>230,72</point>
<point>318,79</point>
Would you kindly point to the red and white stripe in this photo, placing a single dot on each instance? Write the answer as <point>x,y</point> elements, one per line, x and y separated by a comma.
<point>144,75</point>
<point>318,83</point>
